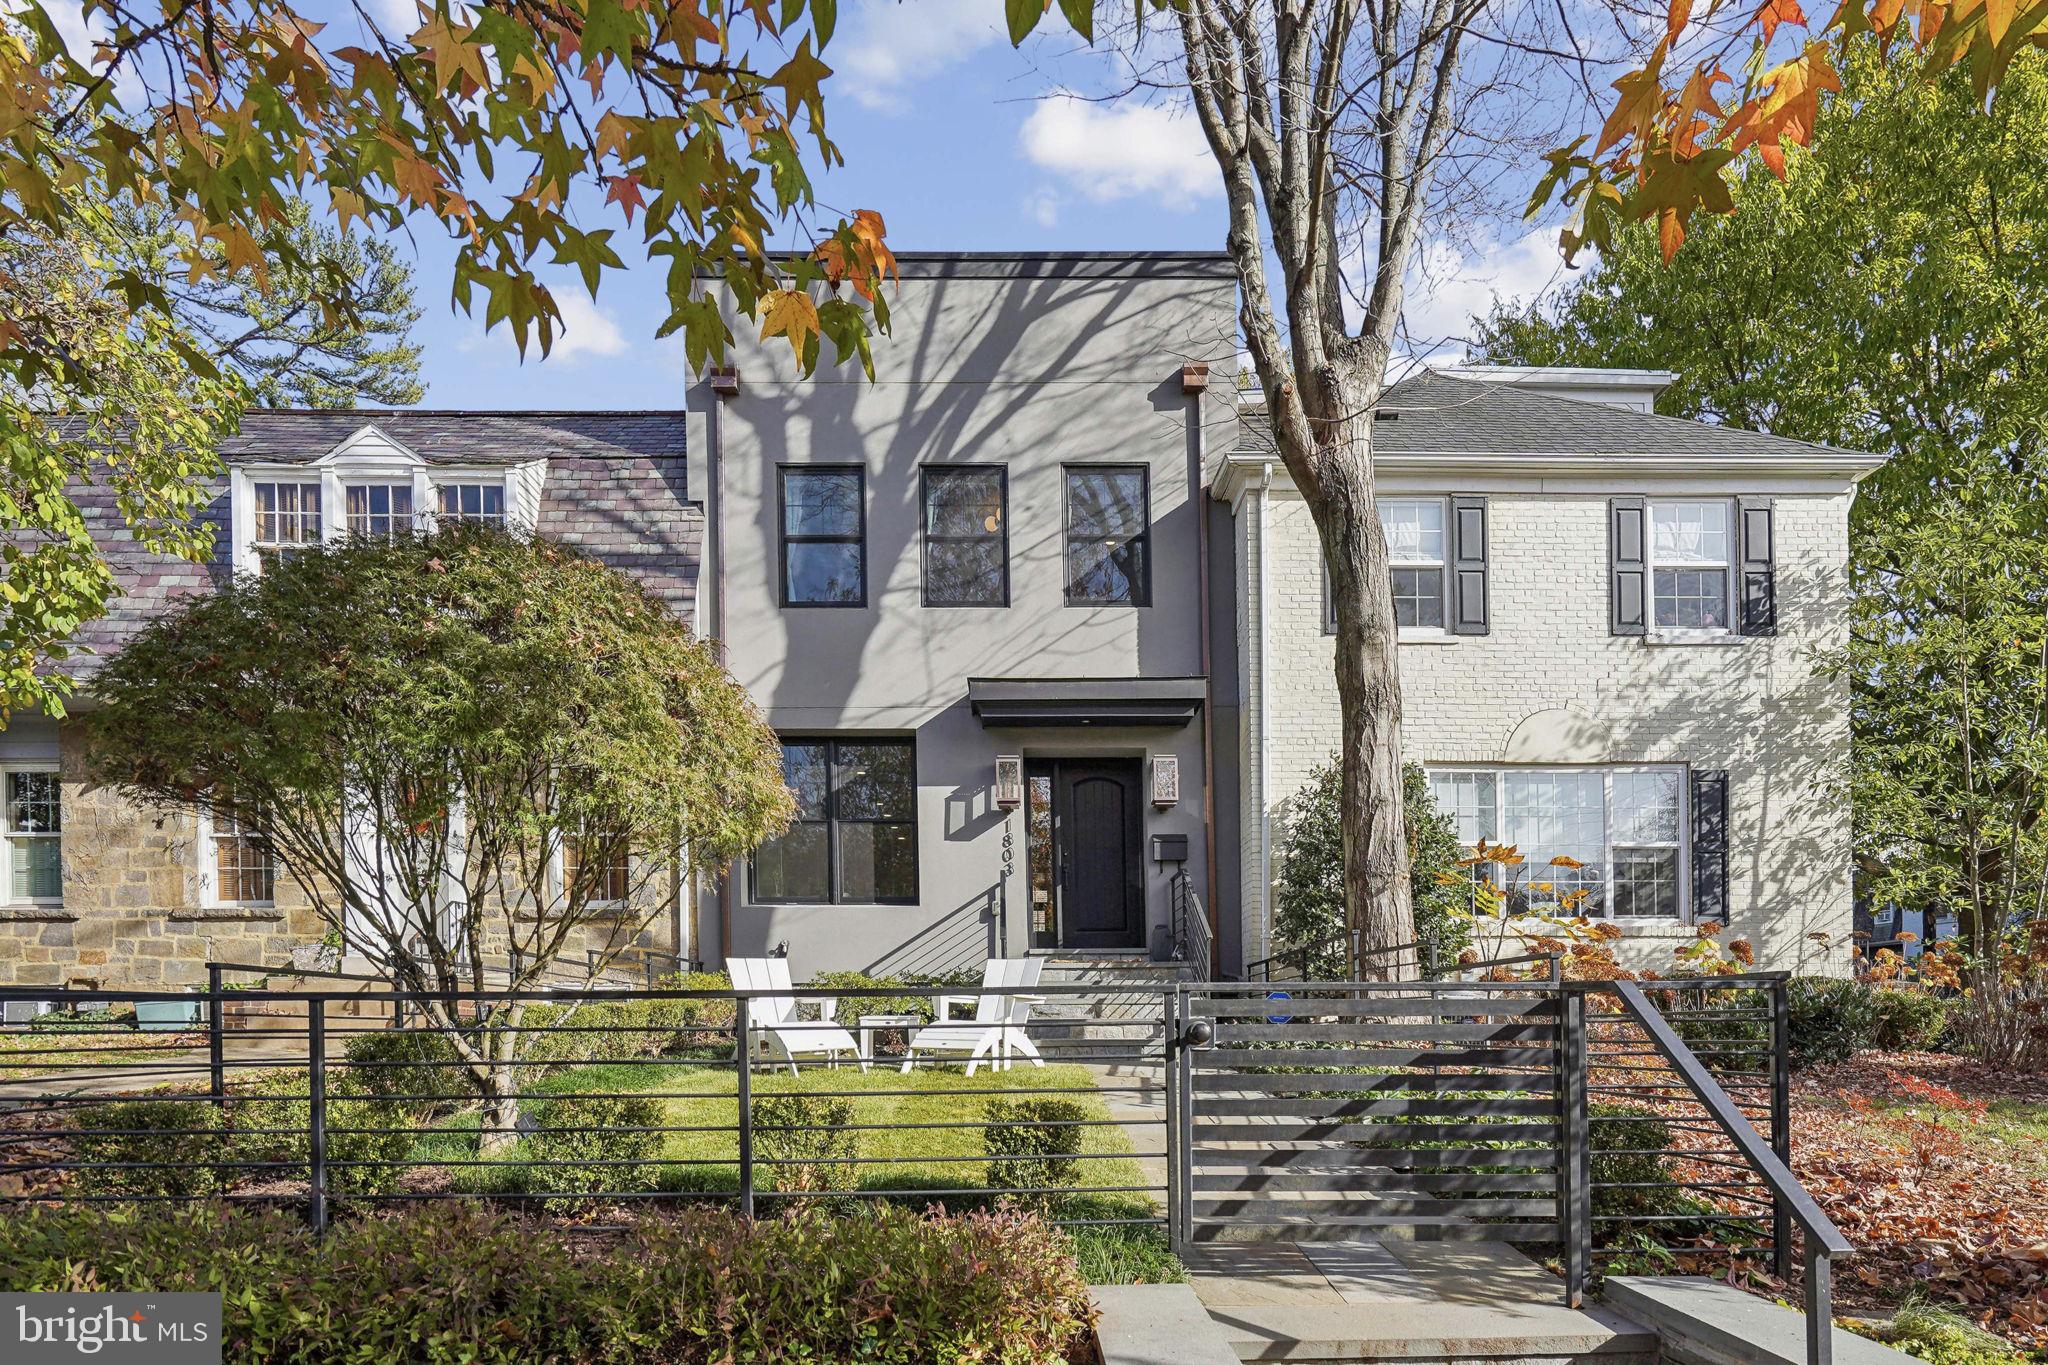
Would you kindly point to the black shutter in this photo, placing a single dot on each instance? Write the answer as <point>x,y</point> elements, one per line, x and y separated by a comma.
<point>1468,606</point>
<point>1628,567</point>
<point>1710,844</point>
<point>1758,606</point>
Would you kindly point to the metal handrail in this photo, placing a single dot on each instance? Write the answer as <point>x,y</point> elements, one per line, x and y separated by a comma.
<point>1191,927</point>
<point>1824,1241</point>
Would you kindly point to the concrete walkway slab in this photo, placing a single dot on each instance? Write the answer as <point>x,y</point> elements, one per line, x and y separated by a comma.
<point>1428,1332</point>
<point>1156,1324</point>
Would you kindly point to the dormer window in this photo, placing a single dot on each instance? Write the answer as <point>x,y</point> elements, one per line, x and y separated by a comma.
<point>287,517</point>
<point>382,511</point>
<point>372,486</point>
<point>473,502</point>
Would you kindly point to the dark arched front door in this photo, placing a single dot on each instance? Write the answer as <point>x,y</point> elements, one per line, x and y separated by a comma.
<point>1098,870</point>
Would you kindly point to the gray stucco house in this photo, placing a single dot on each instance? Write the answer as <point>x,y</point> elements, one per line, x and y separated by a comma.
<point>1042,625</point>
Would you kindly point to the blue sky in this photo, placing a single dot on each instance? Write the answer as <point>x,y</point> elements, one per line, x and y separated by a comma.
<point>961,142</point>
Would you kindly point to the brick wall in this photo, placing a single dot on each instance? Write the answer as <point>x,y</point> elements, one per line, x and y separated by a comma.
<point>1550,685</point>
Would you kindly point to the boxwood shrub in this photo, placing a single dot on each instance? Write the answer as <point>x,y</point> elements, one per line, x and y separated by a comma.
<point>459,1283</point>
<point>149,1149</point>
<point>1832,1019</point>
<point>806,1142</point>
<point>1033,1144</point>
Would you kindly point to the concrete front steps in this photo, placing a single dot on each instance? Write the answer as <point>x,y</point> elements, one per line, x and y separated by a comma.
<point>1120,1029</point>
<point>1705,1322</point>
<point>1391,1300</point>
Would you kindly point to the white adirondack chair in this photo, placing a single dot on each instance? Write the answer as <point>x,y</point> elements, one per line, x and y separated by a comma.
<point>772,1015</point>
<point>996,1032</point>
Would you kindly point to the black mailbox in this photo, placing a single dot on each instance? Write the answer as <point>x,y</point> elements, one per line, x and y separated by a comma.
<point>1169,848</point>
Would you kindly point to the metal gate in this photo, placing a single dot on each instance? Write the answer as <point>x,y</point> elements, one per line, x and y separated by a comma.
<point>1336,1113</point>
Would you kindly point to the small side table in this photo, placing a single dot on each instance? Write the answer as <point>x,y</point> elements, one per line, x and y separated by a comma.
<point>871,1023</point>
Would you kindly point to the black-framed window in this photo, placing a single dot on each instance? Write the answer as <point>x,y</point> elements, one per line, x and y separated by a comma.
<point>824,536</point>
<point>1109,536</point>
<point>966,536</point>
<point>854,839</point>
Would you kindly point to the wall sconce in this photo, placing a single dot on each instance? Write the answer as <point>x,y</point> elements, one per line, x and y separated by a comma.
<point>1009,781</point>
<point>1165,780</point>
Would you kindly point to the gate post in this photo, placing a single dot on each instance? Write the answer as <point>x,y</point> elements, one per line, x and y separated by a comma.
<point>1170,1029</point>
<point>316,1113</point>
<point>1574,1159</point>
<point>216,1047</point>
<point>1781,1123</point>
<point>743,1060</point>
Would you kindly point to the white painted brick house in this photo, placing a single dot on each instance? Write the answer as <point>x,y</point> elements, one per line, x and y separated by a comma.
<point>1612,626</point>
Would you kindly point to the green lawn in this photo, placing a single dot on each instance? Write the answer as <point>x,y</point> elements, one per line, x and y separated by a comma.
<point>926,1136</point>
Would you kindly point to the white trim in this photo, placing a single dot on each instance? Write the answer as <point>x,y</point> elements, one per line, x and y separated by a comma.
<point>1821,472</point>
<point>1726,564</point>
<point>209,871</point>
<point>1682,849</point>
<point>9,838</point>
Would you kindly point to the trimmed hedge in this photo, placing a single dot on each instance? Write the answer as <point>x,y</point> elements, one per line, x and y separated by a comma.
<point>1033,1144</point>
<point>453,1283</point>
<point>361,1127</point>
<point>1907,1019</point>
<point>809,1133</point>
<point>169,1161</point>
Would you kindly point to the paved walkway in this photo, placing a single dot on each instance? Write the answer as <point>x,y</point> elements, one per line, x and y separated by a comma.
<point>1396,1299</point>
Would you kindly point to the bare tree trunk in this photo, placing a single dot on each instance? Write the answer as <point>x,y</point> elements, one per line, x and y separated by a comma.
<point>1378,904</point>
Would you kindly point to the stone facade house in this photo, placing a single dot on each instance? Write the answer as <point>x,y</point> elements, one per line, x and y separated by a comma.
<point>102,893</point>
<point>1612,626</point>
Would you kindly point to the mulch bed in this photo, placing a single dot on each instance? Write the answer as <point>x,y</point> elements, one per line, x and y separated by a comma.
<point>1933,1207</point>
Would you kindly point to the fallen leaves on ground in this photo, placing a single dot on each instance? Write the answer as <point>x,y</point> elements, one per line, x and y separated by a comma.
<point>1933,1206</point>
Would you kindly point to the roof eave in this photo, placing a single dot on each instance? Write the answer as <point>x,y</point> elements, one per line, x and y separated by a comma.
<point>1240,469</point>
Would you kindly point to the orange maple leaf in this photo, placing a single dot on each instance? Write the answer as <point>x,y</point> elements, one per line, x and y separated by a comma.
<point>625,192</point>
<point>1776,12</point>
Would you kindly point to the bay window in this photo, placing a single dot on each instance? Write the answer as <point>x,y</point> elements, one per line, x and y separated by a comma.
<point>1601,841</point>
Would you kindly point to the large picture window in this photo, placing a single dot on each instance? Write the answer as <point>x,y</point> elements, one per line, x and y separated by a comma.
<point>1109,536</point>
<point>966,537</point>
<point>1690,565</point>
<point>34,828</point>
<point>854,840</point>
<point>1606,841</point>
<point>824,535</point>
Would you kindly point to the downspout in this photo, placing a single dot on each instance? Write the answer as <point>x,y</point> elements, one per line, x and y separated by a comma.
<point>1265,704</point>
<point>1198,498</point>
<point>724,385</point>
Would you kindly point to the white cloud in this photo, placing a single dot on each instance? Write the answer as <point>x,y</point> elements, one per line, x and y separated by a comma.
<point>1449,286</point>
<point>1123,151</point>
<point>398,18</point>
<point>586,329</point>
<point>1042,206</point>
<point>893,44</point>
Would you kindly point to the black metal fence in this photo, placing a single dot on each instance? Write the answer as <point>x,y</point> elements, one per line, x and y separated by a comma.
<point>1637,1126</point>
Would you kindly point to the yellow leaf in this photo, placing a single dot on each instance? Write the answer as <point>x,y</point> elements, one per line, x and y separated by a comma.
<point>789,313</point>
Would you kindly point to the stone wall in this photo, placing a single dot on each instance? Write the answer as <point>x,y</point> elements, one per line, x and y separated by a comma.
<point>133,917</point>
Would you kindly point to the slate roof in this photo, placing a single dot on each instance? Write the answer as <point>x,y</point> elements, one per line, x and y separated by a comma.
<point>615,487</point>
<point>1434,414</point>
